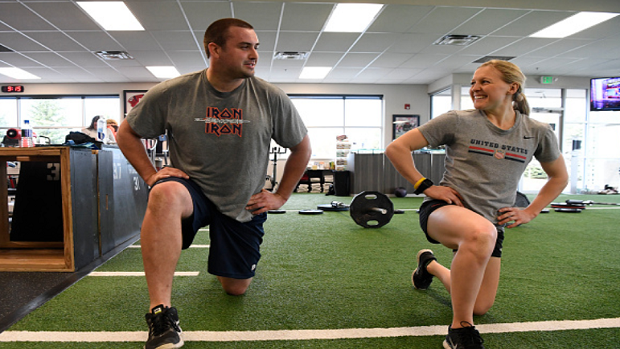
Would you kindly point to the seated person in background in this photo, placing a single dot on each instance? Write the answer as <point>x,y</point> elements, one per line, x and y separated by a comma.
<point>92,129</point>
<point>111,131</point>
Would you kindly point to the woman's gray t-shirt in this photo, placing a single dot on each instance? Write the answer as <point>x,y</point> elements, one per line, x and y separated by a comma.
<point>483,162</point>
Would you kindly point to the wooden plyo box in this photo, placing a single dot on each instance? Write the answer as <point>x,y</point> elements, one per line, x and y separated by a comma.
<point>85,227</point>
<point>53,256</point>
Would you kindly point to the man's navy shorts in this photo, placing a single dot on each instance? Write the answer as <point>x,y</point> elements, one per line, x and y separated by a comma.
<point>234,246</point>
<point>430,206</point>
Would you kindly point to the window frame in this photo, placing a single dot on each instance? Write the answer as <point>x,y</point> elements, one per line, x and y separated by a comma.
<point>85,119</point>
<point>380,125</point>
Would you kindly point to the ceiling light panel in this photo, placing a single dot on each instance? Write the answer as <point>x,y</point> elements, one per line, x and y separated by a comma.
<point>314,73</point>
<point>111,15</point>
<point>574,24</point>
<point>164,72</point>
<point>17,73</point>
<point>352,18</point>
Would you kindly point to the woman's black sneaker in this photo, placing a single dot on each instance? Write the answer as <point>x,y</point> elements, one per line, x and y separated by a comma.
<point>421,278</point>
<point>164,330</point>
<point>463,338</point>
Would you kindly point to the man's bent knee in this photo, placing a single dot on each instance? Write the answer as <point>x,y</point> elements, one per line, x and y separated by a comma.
<point>167,191</point>
<point>169,195</point>
<point>234,287</point>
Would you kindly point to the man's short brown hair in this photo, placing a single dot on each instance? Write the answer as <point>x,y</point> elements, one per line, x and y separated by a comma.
<point>217,32</point>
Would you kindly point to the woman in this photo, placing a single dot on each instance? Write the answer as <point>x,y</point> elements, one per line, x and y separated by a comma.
<point>92,129</point>
<point>487,150</point>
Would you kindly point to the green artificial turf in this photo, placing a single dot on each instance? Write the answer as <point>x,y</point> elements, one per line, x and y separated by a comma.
<point>326,272</point>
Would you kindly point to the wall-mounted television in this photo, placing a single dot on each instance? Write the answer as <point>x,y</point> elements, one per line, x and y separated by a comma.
<point>605,94</point>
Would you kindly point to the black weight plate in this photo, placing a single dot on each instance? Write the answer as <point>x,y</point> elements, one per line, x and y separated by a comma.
<point>311,212</point>
<point>276,211</point>
<point>569,210</point>
<point>399,211</point>
<point>366,207</point>
<point>330,207</point>
<point>565,205</point>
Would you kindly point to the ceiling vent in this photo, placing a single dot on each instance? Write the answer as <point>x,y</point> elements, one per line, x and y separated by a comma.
<point>489,58</point>
<point>290,55</point>
<point>457,40</point>
<point>113,55</point>
<point>5,49</point>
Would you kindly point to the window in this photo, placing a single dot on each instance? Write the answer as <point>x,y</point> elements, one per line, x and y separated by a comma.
<point>544,106</point>
<point>601,151</point>
<point>8,112</point>
<point>574,133</point>
<point>358,117</point>
<point>466,102</point>
<point>441,102</point>
<point>54,117</point>
<point>109,107</point>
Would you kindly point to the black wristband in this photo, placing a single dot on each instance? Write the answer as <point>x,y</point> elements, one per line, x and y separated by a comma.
<point>427,183</point>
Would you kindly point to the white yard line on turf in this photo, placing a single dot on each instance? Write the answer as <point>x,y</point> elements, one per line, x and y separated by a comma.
<point>234,336</point>
<point>138,273</point>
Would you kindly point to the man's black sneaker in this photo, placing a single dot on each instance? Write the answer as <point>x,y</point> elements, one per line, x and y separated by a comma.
<point>421,278</point>
<point>164,330</point>
<point>463,338</point>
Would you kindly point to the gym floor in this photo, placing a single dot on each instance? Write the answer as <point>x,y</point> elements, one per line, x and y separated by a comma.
<point>325,282</point>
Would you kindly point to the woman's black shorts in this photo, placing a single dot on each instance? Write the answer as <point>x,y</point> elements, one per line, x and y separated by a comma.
<point>430,206</point>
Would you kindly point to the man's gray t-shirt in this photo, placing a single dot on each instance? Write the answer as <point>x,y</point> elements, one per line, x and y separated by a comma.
<point>483,162</point>
<point>220,139</point>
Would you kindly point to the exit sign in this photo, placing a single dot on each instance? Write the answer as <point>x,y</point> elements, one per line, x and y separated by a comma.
<point>546,79</point>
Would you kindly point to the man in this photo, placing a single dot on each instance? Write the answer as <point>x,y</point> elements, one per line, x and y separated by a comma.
<point>220,122</point>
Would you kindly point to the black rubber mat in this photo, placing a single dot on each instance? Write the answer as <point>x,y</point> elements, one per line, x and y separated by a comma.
<point>23,292</point>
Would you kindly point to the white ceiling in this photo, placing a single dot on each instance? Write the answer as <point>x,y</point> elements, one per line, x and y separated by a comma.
<point>56,40</point>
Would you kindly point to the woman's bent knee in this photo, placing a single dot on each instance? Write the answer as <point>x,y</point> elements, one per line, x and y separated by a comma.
<point>482,239</point>
<point>481,309</point>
